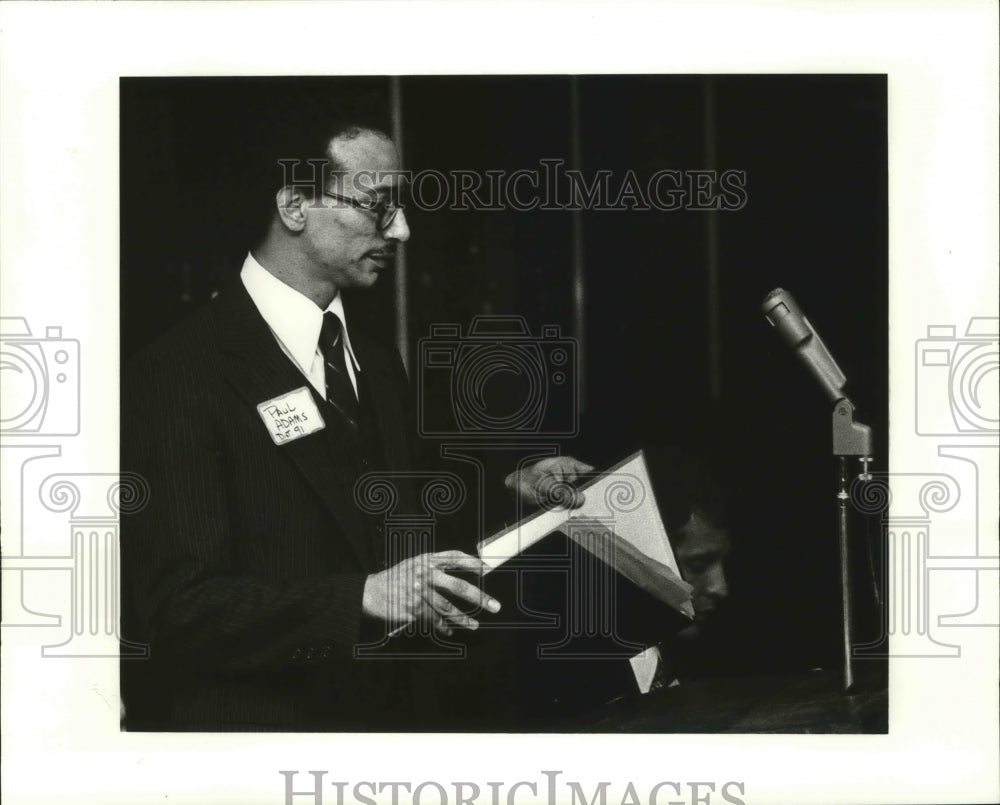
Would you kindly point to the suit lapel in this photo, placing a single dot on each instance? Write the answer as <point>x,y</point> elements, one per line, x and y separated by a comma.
<point>259,370</point>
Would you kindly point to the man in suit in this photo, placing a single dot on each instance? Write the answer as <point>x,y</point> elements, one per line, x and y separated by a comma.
<point>252,573</point>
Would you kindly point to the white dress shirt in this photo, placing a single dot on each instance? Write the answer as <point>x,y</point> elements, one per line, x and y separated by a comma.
<point>295,320</point>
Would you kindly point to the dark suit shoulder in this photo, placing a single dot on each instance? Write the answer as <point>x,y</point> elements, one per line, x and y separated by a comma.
<point>230,322</point>
<point>194,333</point>
<point>182,370</point>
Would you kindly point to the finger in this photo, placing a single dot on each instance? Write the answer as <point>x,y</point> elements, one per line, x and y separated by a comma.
<point>570,468</point>
<point>449,614</point>
<point>416,599</point>
<point>438,622</point>
<point>411,572</point>
<point>461,589</point>
<point>457,560</point>
<point>440,613</point>
<point>564,465</point>
<point>580,467</point>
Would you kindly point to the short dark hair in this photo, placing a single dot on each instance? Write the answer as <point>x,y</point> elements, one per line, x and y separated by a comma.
<point>297,129</point>
<point>686,484</point>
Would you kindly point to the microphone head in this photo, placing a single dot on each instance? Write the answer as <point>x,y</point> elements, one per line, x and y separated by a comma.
<point>783,313</point>
<point>773,294</point>
<point>786,317</point>
<point>778,304</point>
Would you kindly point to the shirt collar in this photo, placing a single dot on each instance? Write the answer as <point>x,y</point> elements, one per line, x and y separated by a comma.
<point>293,318</point>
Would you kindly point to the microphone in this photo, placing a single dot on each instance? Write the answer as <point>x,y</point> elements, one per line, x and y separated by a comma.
<point>794,328</point>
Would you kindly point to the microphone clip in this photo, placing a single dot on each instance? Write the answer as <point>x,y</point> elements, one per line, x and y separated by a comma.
<point>851,438</point>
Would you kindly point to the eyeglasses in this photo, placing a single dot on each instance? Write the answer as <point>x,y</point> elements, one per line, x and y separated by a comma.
<point>383,209</point>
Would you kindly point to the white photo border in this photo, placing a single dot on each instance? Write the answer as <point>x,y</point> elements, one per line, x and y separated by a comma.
<point>59,66</point>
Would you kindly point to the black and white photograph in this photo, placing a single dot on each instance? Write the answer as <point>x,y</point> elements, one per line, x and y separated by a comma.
<point>481,403</point>
<point>568,269</point>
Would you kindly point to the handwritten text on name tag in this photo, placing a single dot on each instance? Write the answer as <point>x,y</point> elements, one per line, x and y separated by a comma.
<point>291,416</point>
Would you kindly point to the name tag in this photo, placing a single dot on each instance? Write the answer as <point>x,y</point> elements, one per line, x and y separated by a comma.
<point>291,416</point>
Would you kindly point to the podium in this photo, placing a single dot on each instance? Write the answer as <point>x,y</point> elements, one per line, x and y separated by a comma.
<point>805,702</point>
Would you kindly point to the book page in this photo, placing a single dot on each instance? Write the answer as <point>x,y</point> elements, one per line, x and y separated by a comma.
<point>621,498</point>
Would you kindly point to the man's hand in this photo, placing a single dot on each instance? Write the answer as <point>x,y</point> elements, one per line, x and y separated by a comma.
<point>549,483</point>
<point>414,591</point>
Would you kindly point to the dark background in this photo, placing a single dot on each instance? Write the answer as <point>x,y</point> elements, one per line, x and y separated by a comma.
<point>814,150</point>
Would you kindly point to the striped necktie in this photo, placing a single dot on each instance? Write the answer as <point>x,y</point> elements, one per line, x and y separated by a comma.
<point>339,390</point>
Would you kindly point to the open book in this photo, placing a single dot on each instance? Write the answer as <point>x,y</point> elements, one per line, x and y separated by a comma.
<point>619,525</point>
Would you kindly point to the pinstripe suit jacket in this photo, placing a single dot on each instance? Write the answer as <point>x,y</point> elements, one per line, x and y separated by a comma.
<point>245,571</point>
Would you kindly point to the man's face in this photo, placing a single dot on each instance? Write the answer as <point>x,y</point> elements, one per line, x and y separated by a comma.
<point>344,244</point>
<point>701,550</point>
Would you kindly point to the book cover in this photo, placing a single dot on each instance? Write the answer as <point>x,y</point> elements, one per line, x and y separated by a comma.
<point>583,591</point>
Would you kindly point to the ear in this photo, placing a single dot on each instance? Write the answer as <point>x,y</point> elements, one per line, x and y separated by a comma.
<point>290,205</point>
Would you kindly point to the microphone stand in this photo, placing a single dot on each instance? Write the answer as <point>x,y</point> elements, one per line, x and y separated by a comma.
<point>850,438</point>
